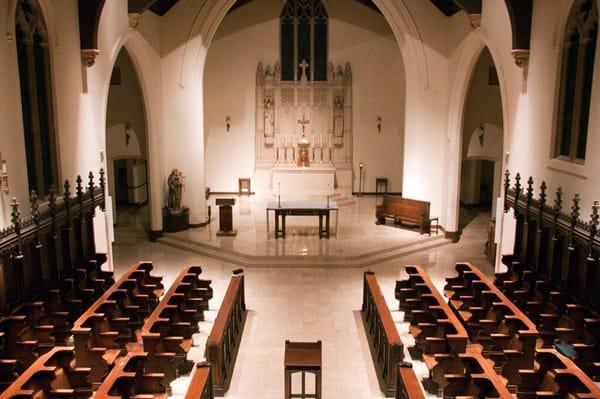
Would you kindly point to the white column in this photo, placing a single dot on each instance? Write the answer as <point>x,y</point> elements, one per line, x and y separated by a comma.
<point>183,125</point>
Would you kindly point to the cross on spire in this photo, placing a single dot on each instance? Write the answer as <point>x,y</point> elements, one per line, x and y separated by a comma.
<point>303,65</point>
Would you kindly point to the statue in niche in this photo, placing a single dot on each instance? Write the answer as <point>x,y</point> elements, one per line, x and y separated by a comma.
<point>269,119</point>
<point>175,184</point>
<point>338,118</point>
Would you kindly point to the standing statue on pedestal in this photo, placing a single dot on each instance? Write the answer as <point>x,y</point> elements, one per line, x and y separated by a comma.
<point>175,183</point>
<point>175,216</point>
<point>338,120</point>
<point>269,119</point>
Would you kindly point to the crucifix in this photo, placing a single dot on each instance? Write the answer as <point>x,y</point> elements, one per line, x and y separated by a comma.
<point>303,65</point>
<point>303,122</point>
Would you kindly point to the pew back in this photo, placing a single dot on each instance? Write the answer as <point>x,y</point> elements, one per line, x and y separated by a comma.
<point>224,340</point>
<point>384,341</point>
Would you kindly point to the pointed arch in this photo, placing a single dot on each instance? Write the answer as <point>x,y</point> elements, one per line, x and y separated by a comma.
<point>472,47</point>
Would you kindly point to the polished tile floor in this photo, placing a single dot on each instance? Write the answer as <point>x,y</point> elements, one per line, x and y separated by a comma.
<point>299,304</point>
<point>355,233</point>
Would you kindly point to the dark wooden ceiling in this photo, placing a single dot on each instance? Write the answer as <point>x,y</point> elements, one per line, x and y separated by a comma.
<point>368,3</point>
<point>448,7</point>
<point>451,7</point>
<point>159,7</point>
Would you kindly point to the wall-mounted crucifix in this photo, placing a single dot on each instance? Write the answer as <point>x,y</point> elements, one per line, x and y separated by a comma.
<point>303,122</point>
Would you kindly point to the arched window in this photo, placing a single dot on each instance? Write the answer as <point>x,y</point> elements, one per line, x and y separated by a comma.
<point>304,40</point>
<point>577,70</point>
<point>36,96</point>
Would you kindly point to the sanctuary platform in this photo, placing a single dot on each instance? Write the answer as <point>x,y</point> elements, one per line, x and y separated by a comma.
<point>356,241</point>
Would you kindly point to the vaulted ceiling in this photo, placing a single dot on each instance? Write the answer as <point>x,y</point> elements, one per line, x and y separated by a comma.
<point>520,13</point>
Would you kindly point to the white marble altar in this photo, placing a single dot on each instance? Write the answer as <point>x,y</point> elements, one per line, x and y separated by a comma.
<point>293,180</point>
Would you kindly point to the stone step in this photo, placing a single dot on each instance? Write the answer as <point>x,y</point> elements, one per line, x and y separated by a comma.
<point>331,261</point>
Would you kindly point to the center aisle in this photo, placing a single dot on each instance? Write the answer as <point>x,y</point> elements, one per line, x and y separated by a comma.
<point>301,304</point>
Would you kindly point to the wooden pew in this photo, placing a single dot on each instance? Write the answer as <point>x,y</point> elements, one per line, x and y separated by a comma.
<point>103,331</point>
<point>129,379</point>
<point>52,375</point>
<point>201,383</point>
<point>506,334</point>
<point>433,324</point>
<point>224,340</point>
<point>469,375</point>
<point>405,210</point>
<point>167,332</point>
<point>384,341</point>
<point>558,318</point>
<point>35,327</point>
<point>407,383</point>
<point>555,376</point>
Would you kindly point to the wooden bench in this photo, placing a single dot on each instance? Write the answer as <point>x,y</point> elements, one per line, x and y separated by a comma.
<point>468,375</point>
<point>201,383</point>
<point>167,332</point>
<point>53,375</point>
<point>433,324</point>
<point>129,379</point>
<point>557,317</point>
<point>555,376</point>
<point>506,334</point>
<point>103,331</point>
<point>408,385</point>
<point>36,326</point>
<point>224,340</point>
<point>384,341</point>
<point>405,210</point>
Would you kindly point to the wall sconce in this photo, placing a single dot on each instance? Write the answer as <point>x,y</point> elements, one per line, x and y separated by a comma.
<point>379,124</point>
<point>4,177</point>
<point>228,122</point>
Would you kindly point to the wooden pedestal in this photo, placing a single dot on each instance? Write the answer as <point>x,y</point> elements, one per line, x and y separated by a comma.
<point>226,217</point>
<point>173,222</point>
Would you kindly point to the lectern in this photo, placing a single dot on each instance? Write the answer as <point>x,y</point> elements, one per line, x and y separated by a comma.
<point>226,217</point>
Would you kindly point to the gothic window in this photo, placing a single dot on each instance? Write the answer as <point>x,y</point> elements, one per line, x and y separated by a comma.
<point>577,70</point>
<point>304,38</point>
<point>36,96</point>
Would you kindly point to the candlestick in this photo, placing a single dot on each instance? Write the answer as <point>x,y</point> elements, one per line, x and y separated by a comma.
<point>279,195</point>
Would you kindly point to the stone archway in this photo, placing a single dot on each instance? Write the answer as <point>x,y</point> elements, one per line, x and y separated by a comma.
<point>472,48</point>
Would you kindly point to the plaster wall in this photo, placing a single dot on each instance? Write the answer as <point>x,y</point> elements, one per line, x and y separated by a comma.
<point>249,35</point>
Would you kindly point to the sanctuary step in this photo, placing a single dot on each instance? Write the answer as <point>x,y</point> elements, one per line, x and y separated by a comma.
<point>329,261</point>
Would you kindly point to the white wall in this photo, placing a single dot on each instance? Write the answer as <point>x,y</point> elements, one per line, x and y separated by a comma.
<point>249,35</point>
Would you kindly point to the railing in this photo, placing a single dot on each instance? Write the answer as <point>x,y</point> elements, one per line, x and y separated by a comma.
<point>201,383</point>
<point>384,341</point>
<point>555,243</point>
<point>407,383</point>
<point>224,339</point>
<point>38,251</point>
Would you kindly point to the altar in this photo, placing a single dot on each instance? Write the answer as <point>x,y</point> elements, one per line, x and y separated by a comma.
<point>303,131</point>
<point>314,180</point>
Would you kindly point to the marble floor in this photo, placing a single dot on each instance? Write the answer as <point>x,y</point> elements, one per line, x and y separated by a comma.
<point>354,232</point>
<point>300,304</point>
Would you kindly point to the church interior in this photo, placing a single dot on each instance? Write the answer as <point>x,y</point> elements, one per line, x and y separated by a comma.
<point>299,199</point>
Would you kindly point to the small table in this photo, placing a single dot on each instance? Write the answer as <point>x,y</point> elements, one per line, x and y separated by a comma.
<point>322,209</point>
<point>302,357</point>
<point>381,181</point>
